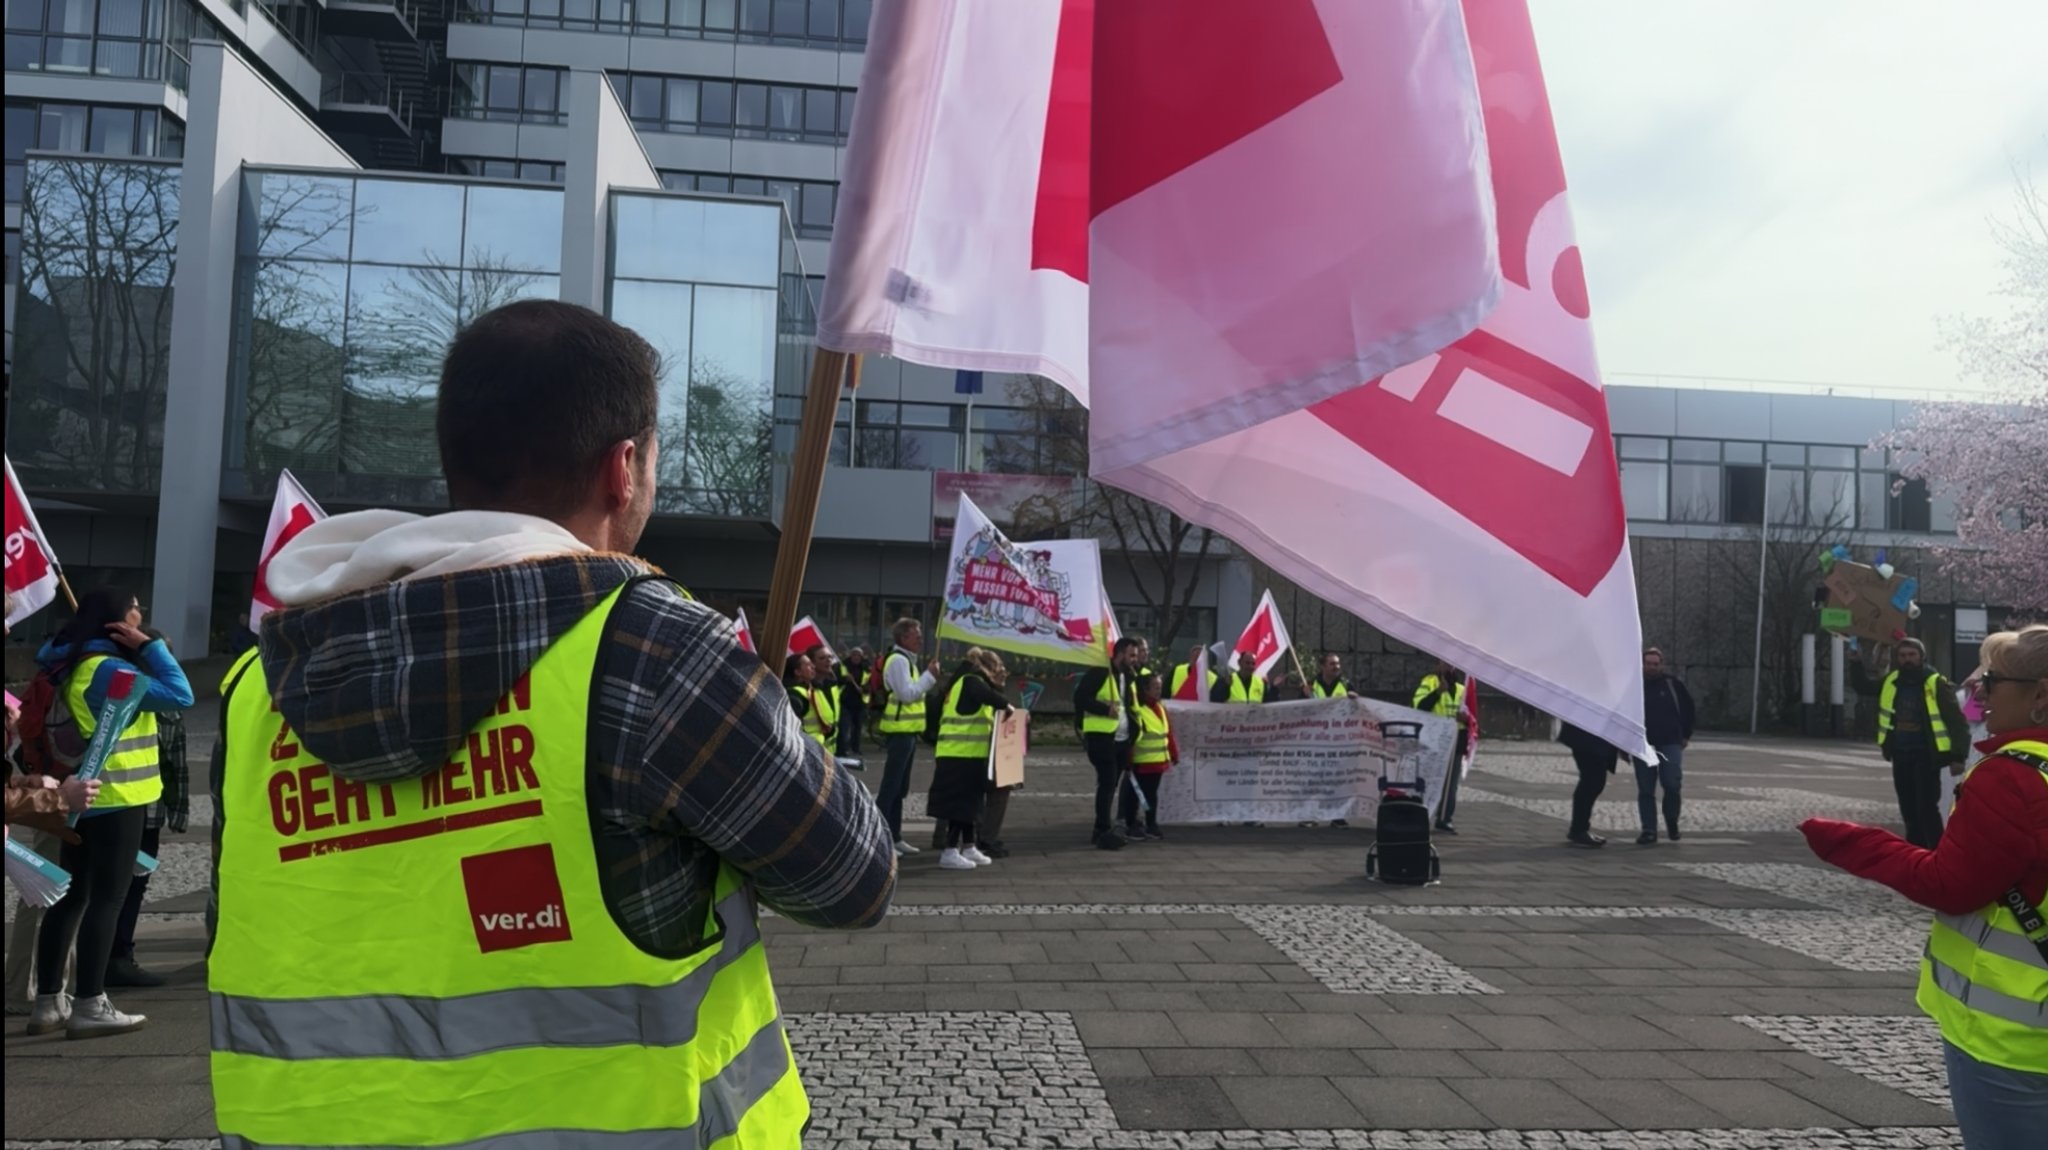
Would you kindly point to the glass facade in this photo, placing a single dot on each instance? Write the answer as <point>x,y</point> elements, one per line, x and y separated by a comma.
<point>836,24</point>
<point>127,39</point>
<point>517,93</point>
<point>92,324</point>
<point>348,291</point>
<point>1817,485</point>
<point>527,171</point>
<point>811,203</point>
<point>701,280</point>
<point>711,106</point>
<point>100,129</point>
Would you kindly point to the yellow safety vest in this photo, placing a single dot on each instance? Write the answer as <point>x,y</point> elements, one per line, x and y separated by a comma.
<point>1093,724</point>
<point>821,718</point>
<point>899,717</point>
<point>1985,982</point>
<point>1152,746</point>
<point>1180,679</point>
<point>1888,695</point>
<point>964,736</point>
<point>133,775</point>
<point>1237,690</point>
<point>1446,705</point>
<point>1338,692</point>
<point>431,962</point>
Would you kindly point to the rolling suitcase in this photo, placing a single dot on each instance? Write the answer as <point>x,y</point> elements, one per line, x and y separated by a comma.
<point>1401,851</point>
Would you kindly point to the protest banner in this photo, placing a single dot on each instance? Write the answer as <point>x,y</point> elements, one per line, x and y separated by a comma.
<point>1309,759</point>
<point>1036,599</point>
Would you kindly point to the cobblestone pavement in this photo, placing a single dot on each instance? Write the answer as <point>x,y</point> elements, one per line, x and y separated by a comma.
<point>1247,989</point>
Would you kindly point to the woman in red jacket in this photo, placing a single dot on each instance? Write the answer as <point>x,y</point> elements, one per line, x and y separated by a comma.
<point>1984,975</point>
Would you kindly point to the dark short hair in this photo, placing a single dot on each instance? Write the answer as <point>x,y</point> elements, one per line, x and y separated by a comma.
<point>1127,643</point>
<point>534,394</point>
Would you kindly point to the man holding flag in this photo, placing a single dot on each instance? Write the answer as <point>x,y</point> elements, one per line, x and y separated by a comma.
<point>1442,692</point>
<point>1193,679</point>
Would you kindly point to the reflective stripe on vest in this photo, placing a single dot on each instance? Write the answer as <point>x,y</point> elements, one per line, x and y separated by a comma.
<point>1237,690</point>
<point>1447,704</point>
<point>899,717</point>
<point>1094,724</point>
<point>1888,694</point>
<point>1337,692</point>
<point>1984,982</point>
<point>133,775</point>
<point>1151,746</point>
<point>427,962</point>
<point>821,718</point>
<point>964,736</point>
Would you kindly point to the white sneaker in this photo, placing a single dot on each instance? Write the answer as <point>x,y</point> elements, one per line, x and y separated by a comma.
<point>49,1014</point>
<point>976,856</point>
<point>954,860</point>
<point>904,848</point>
<point>96,1017</point>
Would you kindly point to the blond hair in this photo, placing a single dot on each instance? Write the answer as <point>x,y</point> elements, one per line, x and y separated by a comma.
<point>2021,654</point>
<point>991,664</point>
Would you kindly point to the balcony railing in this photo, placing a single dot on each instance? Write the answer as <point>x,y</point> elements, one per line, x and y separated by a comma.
<point>367,90</point>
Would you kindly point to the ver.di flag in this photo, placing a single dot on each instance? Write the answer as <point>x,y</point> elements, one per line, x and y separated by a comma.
<point>744,632</point>
<point>805,635</point>
<point>1030,599</point>
<point>1265,640</point>
<point>1349,271</point>
<point>291,512</point>
<point>33,575</point>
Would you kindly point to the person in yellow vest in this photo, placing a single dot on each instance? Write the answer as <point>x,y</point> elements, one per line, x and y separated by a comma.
<point>796,683</point>
<point>899,707</point>
<point>1984,971</point>
<point>960,771</point>
<point>103,638</point>
<point>1244,684</point>
<point>1329,681</point>
<point>1920,730</point>
<point>1442,692</point>
<point>822,722</point>
<point>1104,698</point>
<point>1183,670</point>
<point>499,805</point>
<point>1153,752</point>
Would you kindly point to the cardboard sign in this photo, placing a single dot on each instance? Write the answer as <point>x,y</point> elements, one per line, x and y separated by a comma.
<point>1006,749</point>
<point>1868,598</point>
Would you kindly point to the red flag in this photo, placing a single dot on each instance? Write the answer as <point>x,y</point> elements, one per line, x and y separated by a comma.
<point>1195,688</point>
<point>806,635</point>
<point>291,512</point>
<point>32,571</point>
<point>1265,640</point>
<point>746,633</point>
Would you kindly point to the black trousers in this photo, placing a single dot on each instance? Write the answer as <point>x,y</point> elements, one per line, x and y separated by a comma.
<point>1450,807</point>
<point>1594,767</point>
<point>131,911</point>
<point>1127,801</point>
<point>102,866</point>
<point>1107,756</point>
<point>1917,779</point>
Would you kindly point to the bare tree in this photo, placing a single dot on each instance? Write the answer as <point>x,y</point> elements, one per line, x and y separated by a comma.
<point>1799,532</point>
<point>1164,554</point>
<point>717,454</point>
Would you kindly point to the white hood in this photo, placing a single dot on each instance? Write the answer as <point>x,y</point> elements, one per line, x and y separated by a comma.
<point>366,549</point>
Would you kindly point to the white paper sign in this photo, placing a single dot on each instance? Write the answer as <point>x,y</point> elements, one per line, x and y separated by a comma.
<point>1308,759</point>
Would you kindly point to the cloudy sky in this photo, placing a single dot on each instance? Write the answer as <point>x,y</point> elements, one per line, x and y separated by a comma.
<point>1793,189</point>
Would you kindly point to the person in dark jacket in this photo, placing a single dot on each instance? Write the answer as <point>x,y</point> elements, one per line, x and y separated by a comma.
<point>1920,730</point>
<point>1596,759</point>
<point>853,702</point>
<point>960,772</point>
<point>796,682</point>
<point>1104,698</point>
<point>1667,721</point>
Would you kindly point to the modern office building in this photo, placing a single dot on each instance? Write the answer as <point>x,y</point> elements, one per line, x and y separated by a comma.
<point>676,165</point>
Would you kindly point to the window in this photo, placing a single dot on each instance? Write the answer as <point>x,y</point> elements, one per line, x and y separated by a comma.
<point>1708,450</point>
<point>99,129</point>
<point>1911,508</point>
<point>721,107</point>
<point>828,24</point>
<point>125,39</point>
<point>1695,493</point>
<point>1744,499</point>
<point>510,92</point>
<point>1643,489</point>
<point>1632,447</point>
<point>811,202</point>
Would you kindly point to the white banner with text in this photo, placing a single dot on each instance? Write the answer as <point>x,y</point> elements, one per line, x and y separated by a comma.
<point>1308,759</point>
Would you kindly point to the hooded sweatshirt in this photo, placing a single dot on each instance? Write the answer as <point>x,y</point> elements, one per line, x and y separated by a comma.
<point>400,633</point>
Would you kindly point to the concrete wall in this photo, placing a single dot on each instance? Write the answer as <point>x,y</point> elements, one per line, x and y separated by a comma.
<point>604,153</point>
<point>255,124</point>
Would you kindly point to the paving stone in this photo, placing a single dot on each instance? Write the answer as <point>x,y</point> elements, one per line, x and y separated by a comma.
<point>1229,1030</point>
<point>1427,1032</point>
<point>1127,1028</point>
<point>1645,1064</point>
<point>1518,1032</point>
<point>1904,1053</point>
<point>1290,1103</point>
<point>1524,1064</point>
<point>1444,1064</point>
<point>1752,1102</point>
<point>1201,1063</point>
<point>1345,1031</point>
<point>1526,1104</point>
<point>1170,1104</point>
<point>1642,1105</point>
<point>1410,1103</point>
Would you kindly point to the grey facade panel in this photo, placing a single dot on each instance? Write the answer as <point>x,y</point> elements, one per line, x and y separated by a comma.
<point>1830,419</point>
<point>496,42</point>
<point>95,90</point>
<point>1723,414</point>
<point>778,158</point>
<point>675,152</point>
<point>569,49</point>
<point>480,138</point>
<point>1641,410</point>
<point>787,65</point>
<point>676,56</point>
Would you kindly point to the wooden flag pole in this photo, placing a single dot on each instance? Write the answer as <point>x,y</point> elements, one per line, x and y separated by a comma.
<point>800,504</point>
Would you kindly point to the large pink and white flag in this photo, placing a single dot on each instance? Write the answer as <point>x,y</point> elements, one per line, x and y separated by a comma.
<point>33,575</point>
<point>291,511</point>
<point>1332,308</point>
